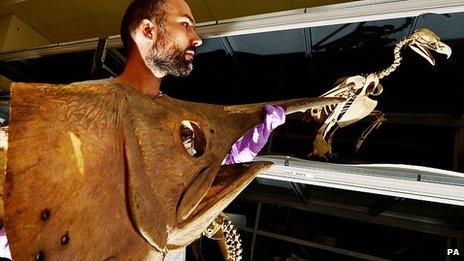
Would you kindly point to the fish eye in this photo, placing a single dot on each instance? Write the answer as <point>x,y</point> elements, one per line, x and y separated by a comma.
<point>193,138</point>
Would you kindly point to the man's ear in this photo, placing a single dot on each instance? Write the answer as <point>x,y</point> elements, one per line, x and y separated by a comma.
<point>147,30</point>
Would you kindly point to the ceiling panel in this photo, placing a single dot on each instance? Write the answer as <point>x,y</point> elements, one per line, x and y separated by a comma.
<point>6,10</point>
<point>76,30</point>
<point>279,42</point>
<point>22,13</point>
<point>107,25</point>
<point>200,11</point>
<point>51,12</point>
<point>53,36</point>
<point>238,8</point>
<point>27,17</point>
<point>91,8</point>
<point>440,24</point>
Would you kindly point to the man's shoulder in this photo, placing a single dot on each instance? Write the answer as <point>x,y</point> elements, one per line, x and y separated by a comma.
<point>90,88</point>
<point>106,81</point>
<point>100,86</point>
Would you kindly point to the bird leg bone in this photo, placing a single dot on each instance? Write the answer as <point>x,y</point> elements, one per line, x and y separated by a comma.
<point>379,119</point>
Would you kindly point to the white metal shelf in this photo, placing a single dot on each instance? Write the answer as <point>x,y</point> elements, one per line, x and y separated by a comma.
<point>359,11</point>
<point>413,182</point>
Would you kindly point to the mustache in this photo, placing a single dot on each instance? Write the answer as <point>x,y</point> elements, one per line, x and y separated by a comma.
<point>191,48</point>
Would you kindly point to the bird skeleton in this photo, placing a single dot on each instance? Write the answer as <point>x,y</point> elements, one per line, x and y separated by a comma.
<point>358,90</point>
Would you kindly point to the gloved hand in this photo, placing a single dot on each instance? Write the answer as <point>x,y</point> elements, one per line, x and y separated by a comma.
<point>4,247</point>
<point>248,146</point>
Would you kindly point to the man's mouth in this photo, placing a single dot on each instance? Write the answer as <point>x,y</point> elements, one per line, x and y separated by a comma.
<point>189,55</point>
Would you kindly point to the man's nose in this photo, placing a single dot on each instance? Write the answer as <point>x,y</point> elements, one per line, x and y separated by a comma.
<point>196,40</point>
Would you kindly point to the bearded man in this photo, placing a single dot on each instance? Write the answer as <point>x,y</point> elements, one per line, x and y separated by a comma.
<point>160,39</point>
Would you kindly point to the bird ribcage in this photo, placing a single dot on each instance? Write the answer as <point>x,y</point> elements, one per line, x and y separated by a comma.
<point>321,114</point>
<point>329,108</point>
<point>346,106</point>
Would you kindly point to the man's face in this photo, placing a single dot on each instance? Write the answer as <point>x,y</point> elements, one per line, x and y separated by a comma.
<point>173,51</point>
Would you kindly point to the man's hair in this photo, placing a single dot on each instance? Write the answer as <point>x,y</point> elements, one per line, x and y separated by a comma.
<point>136,12</point>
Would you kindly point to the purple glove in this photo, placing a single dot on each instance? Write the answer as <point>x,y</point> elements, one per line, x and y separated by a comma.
<point>4,247</point>
<point>246,148</point>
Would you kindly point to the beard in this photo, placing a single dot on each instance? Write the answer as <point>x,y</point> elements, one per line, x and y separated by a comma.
<point>166,59</point>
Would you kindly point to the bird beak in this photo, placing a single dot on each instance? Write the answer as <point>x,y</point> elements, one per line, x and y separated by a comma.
<point>424,50</point>
<point>418,48</point>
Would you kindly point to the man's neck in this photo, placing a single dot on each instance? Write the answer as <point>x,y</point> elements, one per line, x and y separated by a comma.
<point>138,76</point>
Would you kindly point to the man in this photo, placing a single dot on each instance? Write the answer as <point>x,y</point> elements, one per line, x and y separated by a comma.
<point>160,39</point>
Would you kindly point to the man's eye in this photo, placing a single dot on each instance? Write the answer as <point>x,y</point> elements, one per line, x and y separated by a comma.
<point>185,24</point>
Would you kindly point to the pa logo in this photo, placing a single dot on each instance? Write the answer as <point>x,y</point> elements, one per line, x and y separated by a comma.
<point>452,252</point>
